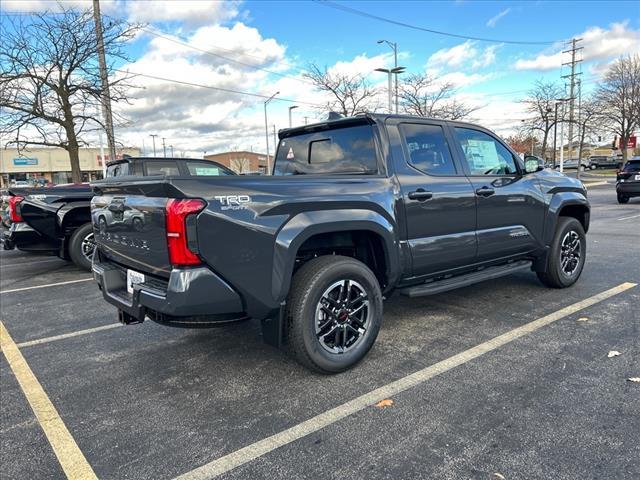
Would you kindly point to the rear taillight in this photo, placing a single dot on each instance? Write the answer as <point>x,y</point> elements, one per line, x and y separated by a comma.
<point>14,215</point>
<point>176,213</point>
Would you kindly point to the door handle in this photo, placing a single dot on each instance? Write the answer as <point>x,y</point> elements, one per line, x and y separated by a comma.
<point>421,195</point>
<point>485,191</point>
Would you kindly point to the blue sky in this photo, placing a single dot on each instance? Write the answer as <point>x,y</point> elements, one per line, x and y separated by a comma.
<point>246,38</point>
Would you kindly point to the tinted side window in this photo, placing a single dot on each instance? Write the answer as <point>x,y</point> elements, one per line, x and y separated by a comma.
<point>341,150</point>
<point>484,154</point>
<point>632,167</point>
<point>428,148</point>
<point>162,167</point>
<point>205,168</point>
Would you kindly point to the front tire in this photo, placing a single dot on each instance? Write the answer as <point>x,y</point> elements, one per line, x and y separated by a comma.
<point>81,246</point>
<point>333,313</point>
<point>567,254</point>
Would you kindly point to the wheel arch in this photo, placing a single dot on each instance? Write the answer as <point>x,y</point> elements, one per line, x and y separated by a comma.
<point>566,204</point>
<point>302,229</point>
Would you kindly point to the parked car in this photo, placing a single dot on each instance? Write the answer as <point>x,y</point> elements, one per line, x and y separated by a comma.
<point>357,208</point>
<point>628,180</point>
<point>57,220</point>
<point>572,164</point>
<point>602,161</point>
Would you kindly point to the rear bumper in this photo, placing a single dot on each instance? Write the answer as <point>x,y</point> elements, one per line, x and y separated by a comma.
<point>628,189</point>
<point>191,298</point>
<point>23,237</point>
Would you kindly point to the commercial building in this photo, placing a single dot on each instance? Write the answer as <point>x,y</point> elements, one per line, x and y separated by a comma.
<point>40,165</point>
<point>242,162</point>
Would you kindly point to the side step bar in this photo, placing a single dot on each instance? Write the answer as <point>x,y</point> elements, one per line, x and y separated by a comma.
<point>451,283</point>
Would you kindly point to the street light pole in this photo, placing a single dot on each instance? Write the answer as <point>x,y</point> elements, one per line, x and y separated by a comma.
<point>266,130</point>
<point>291,108</point>
<point>171,147</point>
<point>164,148</point>
<point>391,72</point>
<point>559,101</point>
<point>275,141</point>
<point>394,47</point>
<point>153,137</point>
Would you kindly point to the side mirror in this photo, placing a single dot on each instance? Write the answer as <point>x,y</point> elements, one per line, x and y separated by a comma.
<point>532,165</point>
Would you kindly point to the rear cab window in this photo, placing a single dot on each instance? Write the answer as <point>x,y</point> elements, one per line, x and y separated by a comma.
<point>118,169</point>
<point>206,169</point>
<point>632,166</point>
<point>342,150</point>
<point>162,167</point>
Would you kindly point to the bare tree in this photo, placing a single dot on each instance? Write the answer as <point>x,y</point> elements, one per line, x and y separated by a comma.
<point>540,104</point>
<point>422,95</point>
<point>618,96</point>
<point>589,121</point>
<point>240,164</point>
<point>349,94</point>
<point>50,84</point>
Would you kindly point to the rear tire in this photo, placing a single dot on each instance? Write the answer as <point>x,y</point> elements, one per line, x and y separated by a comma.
<point>567,254</point>
<point>623,199</point>
<point>333,313</point>
<point>81,245</point>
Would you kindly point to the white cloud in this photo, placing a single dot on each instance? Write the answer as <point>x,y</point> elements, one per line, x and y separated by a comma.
<point>599,44</point>
<point>191,12</point>
<point>463,55</point>
<point>494,20</point>
<point>454,57</point>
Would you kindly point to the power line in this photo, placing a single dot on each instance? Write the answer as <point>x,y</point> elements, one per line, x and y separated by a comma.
<point>217,55</point>
<point>221,89</point>
<point>344,8</point>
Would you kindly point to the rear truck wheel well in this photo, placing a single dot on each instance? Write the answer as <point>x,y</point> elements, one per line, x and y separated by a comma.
<point>579,212</point>
<point>363,245</point>
<point>75,218</point>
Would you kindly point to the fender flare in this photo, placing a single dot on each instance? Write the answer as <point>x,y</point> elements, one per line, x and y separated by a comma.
<point>304,225</point>
<point>69,208</point>
<point>559,200</point>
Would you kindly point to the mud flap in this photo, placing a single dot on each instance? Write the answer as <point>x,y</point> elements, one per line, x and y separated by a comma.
<point>273,328</point>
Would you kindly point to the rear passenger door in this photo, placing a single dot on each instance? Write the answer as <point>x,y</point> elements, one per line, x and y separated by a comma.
<point>439,201</point>
<point>511,206</point>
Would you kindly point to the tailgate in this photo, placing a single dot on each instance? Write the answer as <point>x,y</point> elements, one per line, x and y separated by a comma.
<point>130,230</point>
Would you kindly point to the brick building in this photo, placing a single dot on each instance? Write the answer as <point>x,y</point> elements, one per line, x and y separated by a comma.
<point>242,162</point>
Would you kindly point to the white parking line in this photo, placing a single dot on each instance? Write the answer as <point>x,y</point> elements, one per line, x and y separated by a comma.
<point>55,338</point>
<point>30,263</point>
<point>44,286</point>
<point>262,447</point>
<point>595,184</point>
<point>629,218</point>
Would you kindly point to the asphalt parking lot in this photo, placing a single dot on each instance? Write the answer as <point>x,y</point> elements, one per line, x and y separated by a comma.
<point>479,390</point>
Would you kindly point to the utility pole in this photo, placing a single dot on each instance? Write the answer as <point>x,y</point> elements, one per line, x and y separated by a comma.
<point>306,120</point>
<point>153,137</point>
<point>266,131</point>
<point>275,142</point>
<point>171,147</point>
<point>572,86</point>
<point>104,78</point>
<point>164,148</point>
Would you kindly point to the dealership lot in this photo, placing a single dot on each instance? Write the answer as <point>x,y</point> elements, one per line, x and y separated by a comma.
<point>149,401</point>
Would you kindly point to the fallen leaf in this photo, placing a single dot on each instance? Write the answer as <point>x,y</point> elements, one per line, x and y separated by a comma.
<point>613,353</point>
<point>583,319</point>
<point>498,475</point>
<point>634,379</point>
<point>384,403</point>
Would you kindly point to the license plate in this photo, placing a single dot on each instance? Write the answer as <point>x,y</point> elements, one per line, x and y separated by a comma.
<point>637,177</point>
<point>133,277</point>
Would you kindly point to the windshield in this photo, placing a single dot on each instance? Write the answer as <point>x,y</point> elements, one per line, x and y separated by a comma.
<point>340,150</point>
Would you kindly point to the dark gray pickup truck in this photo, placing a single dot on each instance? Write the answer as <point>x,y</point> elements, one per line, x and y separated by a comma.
<point>356,209</point>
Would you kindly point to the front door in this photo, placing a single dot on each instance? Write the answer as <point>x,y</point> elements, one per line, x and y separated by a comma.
<point>439,200</point>
<point>511,206</point>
